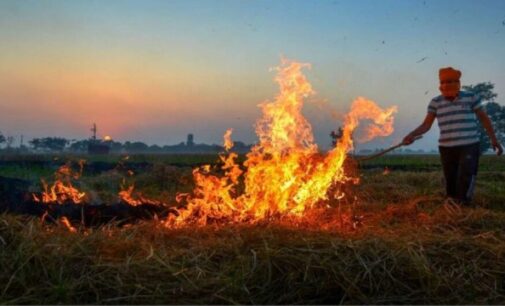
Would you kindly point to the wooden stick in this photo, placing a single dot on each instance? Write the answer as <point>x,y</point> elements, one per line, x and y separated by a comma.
<point>386,150</point>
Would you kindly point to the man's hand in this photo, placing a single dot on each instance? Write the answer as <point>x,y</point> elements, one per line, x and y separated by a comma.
<point>420,130</point>
<point>488,126</point>
<point>497,147</point>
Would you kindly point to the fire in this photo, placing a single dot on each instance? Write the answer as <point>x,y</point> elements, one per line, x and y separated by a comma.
<point>125,195</point>
<point>62,191</point>
<point>228,143</point>
<point>107,138</point>
<point>285,174</point>
<point>386,171</point>
<point>132,198</point>
<point>381,120</point>
<point>67,224</point>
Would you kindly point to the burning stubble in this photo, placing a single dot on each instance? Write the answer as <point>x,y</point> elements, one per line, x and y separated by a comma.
<point>284,174</point>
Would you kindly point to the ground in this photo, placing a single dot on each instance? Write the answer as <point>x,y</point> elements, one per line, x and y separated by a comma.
<point>395,243</point>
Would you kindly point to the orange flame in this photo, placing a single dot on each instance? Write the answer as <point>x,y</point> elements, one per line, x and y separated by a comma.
<point>62,190</point>
<point>381,120</point>
<point>107,138</point>
<point>228,143</point>
<point>285,173</point>
<point>68,225</point>
<point>132,198</point>
<point>126,196</point>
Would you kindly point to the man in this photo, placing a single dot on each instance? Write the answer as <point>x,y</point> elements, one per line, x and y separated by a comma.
<point>456,113</point>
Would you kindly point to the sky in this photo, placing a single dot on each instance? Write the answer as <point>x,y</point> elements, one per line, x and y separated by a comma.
<point>155,71</point>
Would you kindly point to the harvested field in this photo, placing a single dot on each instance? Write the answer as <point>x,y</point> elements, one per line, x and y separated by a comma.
<point>397,243</point>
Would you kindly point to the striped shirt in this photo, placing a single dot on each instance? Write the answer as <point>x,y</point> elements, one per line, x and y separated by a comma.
<point>456,119</point>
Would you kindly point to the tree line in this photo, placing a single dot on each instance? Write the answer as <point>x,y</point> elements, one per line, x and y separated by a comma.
<point>60,144</point>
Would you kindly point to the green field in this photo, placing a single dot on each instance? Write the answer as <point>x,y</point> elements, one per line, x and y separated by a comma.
<point>406,247</point>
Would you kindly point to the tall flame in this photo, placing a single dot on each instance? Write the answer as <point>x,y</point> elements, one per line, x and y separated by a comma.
<point>285,174</point>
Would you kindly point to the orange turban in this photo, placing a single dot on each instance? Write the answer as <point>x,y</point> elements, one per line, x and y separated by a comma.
<point>449,82</point>
<point>449,73</point>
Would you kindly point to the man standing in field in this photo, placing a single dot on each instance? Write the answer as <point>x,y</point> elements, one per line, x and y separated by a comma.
<point>456,113</point>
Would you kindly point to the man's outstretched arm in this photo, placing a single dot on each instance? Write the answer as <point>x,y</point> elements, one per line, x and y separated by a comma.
<point>420,130</point>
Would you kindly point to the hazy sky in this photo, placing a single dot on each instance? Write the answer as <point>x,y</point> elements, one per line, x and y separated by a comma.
<point>157,70</point>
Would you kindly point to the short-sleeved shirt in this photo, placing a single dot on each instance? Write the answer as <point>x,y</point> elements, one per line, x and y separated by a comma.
<point>456,119</point>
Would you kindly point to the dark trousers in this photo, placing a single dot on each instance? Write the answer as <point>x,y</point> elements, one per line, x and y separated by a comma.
<point>460,165</point>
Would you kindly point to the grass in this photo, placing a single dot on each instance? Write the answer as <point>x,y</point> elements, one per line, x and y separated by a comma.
<point>407,249</point>
<point>428,162</point>
<point>459,260</point>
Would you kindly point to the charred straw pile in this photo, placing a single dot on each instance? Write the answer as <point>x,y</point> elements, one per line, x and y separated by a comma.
<point>15,198</point>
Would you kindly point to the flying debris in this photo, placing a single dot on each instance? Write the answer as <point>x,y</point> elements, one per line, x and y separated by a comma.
<point>422,60</point>
<point>251,27</point>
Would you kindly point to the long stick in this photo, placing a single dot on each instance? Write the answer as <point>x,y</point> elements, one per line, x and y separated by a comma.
<point>386,150</point>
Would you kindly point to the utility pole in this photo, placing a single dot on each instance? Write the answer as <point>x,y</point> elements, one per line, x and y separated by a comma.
<point>94,131</point>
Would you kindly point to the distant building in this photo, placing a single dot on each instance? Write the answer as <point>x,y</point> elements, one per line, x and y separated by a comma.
<point>190,141</point>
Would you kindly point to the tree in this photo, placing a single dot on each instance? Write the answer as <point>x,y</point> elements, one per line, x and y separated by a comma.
<point>49,143</point>
<point>155,149</point>
<point>9,141</point>
<point>79,146</point>
<point>495,111</point>
<point>115,146</point>
<point>2,138</point>
<point>136,147</point>
<point>484,90</point>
